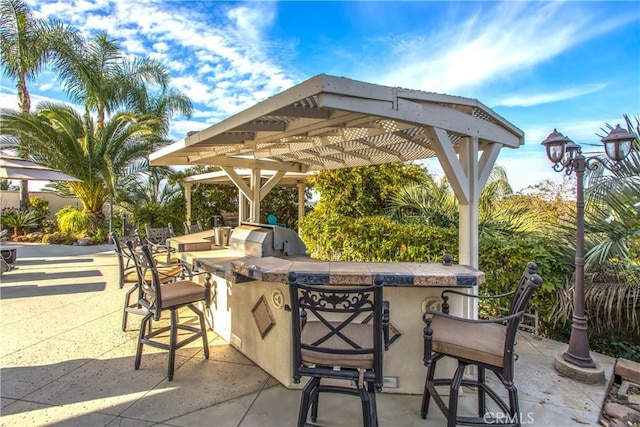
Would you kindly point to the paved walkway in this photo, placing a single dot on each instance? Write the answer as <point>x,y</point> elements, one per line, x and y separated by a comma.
<point>65,361</point>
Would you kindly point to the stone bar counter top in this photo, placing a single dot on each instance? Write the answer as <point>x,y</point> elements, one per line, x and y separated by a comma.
<point>311,271</point>
<point>236,268</point>
<point>200,241</point>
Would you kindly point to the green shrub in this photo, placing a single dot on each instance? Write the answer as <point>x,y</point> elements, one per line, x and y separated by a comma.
<point>375,239</point>
<point>40,206</point>
<point>58,238</point>
<point>100,235</point>
<point>74,221</point>
<point>49,226</point>
<point>19,221</point>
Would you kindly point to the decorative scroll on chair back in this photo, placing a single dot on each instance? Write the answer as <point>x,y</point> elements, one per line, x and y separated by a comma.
<point>157,242</point>
<point>148,279</point>
<point>339,332</point>
<point>193,228</point>
<point>159,235</point>
<point>486,344</point>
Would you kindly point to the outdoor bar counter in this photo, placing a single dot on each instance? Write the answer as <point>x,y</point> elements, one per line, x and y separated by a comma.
<point>250,302</point>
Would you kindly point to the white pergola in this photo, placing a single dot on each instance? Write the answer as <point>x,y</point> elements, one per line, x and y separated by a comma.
<point>242,179</point>
<point>331,122</point>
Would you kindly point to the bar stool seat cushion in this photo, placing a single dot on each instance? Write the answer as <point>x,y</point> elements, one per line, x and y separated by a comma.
<point>181,293</point>
<point>483,342</point>
<point>163,273</point>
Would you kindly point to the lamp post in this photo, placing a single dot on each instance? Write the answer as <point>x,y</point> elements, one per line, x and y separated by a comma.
<point>110,216</point>
<point>567,156</point>
<point>117,187</point>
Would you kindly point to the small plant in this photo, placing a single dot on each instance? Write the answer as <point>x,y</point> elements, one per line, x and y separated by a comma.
<point>20,221</point>
<point>73,221</point>
<point>58,238</point>
<point>49,226</point>
<point>40,206</point>
<point>100,235</point>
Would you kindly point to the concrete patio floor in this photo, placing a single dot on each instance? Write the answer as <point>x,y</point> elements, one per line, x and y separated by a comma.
<point>65,361</point>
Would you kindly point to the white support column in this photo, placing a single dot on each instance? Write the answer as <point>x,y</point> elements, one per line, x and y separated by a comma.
<point>255,195</point>
<point>468,217</point>
<point>301,187</point>
<point>187,196</point>
<point>241,207</point>
<point>468,227</point>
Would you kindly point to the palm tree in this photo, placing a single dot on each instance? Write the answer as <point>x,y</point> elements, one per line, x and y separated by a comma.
<point>99,76</point>
<point>163,105</point>
<point>611,218</point>
<point>59,137</point>
<point>151,197</point>
<point>430,202</point>
<point>435,204</point>
<point>26,45</point>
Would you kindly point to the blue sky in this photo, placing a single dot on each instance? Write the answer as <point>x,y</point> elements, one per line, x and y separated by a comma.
<point>568,65</point>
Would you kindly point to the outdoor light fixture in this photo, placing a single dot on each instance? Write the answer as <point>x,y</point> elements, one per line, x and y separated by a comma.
<point>567,156</point>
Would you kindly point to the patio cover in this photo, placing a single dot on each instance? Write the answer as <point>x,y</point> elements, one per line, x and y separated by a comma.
<point>331,122</point>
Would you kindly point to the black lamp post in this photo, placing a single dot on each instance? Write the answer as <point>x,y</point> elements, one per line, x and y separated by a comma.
<point>567,156</point>
<point>118,187</point>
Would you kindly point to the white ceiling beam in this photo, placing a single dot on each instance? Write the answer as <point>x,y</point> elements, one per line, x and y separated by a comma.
<point>394,153</point>
<point>437,98</point>
<point>308,128</point>
<point>298,112</point>
<point>425,114</point>
<point>234,162</point>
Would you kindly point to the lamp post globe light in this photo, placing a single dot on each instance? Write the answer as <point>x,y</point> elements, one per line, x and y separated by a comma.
<point>567,156</point>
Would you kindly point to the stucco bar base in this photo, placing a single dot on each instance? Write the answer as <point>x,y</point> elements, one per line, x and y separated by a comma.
<point>250,302</point>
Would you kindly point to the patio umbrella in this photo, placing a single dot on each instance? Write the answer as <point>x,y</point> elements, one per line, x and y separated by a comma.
<point>19,169</point>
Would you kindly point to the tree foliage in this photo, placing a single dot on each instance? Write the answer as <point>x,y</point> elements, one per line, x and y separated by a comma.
<point>27,44</point>
<point>60,138</point>
<point>208,199</point>
<point>364,190</point>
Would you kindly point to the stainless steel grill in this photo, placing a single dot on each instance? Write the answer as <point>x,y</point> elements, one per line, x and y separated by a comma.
<point>264,240</point>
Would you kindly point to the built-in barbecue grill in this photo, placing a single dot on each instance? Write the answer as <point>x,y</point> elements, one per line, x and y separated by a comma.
<point>264,240</point>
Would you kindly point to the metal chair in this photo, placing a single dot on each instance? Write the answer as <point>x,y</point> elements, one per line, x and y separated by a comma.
<point>485,344</point>
<point>157,241</point>
<point>126,267</point>
<point>339,333</point>
<point>192,228</point>
<point>129,275</point>
<point>157,299</point>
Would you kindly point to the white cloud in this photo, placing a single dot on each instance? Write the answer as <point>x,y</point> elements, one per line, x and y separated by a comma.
<point>528,100</point>
<point>223,65</point>
<point>9,99</point>
<point>511,37</point>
